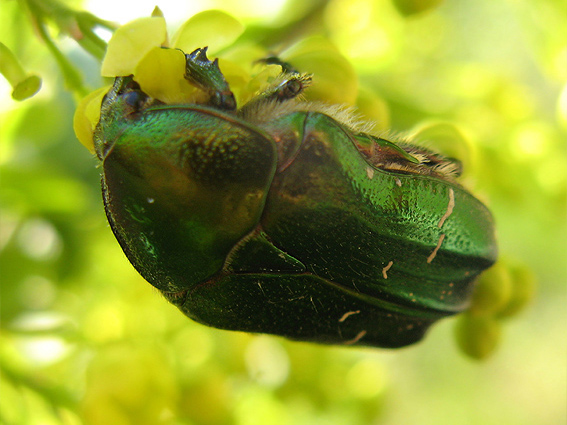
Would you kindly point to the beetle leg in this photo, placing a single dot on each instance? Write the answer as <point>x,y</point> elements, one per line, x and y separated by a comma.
<point>274,60</point>
<point>292,86</point>
<point>288,86</point>
<point>270,102</point>
<point>406,158</point>
<point>450,167</point>
<point>206,75</point>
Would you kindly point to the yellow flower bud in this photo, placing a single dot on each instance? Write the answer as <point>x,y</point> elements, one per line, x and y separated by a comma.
<point>477,336</point>
<point>492,292</point>
<point>523,290</point>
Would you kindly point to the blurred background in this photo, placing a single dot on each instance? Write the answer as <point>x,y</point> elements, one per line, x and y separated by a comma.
<point>85,340</point>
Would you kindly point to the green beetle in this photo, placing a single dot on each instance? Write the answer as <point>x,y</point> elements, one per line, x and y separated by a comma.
<point>279,217</point>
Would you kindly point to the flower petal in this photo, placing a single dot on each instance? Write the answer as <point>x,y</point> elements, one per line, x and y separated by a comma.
<point>236,76</point>
<point>130,43</point>
<point>211,28</point>
<point>160,74</point>
<point>87,116</point>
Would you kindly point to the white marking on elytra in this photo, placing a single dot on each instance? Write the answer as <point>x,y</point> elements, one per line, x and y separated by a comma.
<point>370,172</point>
<point>385,269</point>
<point>261,289</point>
<point>347,314</point>
<point>398,182</point>
<point>450,207</point>
<point>150,200</point>
<point>314,306</point>
<point>357,338</point>
<point>434,253</point>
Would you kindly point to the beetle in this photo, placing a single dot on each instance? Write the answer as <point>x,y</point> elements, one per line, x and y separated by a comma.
<point>281,217</point>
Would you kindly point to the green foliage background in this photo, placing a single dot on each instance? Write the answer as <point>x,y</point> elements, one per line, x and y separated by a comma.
<point>84,340</point>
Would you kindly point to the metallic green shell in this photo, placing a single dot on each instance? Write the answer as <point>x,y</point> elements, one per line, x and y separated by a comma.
<point>287,227</point>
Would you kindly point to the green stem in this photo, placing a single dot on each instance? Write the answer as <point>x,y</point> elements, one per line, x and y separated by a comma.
<point>10,67</point>
<point>309,22</point>
<point>90,41</point>
<point>23,85</point>
<point>78,25</point>
<point>72,77</point>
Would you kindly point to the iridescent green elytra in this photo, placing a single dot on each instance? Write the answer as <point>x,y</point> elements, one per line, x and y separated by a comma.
<point>278,218</point>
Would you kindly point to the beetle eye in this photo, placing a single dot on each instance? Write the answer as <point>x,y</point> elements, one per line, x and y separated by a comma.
<point>135,99</point>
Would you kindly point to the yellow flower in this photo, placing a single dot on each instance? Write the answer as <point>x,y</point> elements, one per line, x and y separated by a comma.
<point>137,49</point>
<point>141,48</point>
<point>130,43</point>
<point>86,117</point>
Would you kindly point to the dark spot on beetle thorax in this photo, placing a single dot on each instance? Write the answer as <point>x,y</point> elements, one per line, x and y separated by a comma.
<point>312,175</point>
<point>316,149</point>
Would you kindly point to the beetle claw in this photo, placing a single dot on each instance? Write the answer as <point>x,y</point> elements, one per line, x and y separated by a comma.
<point>206,75</point>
